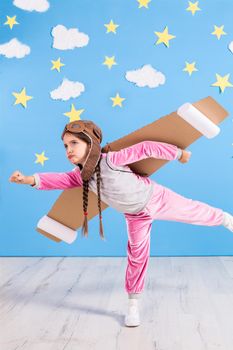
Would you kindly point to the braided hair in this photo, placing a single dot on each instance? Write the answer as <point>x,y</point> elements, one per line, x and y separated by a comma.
<point>85,138</point>
<point>85,203</point>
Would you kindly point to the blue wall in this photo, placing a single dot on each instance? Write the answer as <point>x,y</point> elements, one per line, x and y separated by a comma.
<point>37,128</point>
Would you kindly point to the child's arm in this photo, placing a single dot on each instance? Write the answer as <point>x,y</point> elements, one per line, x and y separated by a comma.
<point>145,149</point>
<point>49,181</point>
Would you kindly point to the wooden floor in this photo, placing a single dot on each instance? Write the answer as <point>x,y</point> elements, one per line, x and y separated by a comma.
<point>80,304</point>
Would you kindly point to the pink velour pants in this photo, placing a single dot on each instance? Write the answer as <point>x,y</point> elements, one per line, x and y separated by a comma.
<point>163,205</point>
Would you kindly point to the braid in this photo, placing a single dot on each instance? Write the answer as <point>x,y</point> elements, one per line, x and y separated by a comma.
<point>99,199</point>
<point>85,204</point>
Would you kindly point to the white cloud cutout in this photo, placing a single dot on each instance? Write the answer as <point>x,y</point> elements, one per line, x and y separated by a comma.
<point>14,48</point>
<point>230,46</point>
<point>145,76</point>
<point>68,89</point>
<point>67,39</point>
<point>32,5</point>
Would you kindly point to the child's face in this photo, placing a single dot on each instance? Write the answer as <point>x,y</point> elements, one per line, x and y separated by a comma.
<point>76,149</point>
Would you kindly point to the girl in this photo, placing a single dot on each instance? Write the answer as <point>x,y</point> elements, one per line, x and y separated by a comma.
<point>139,198</point>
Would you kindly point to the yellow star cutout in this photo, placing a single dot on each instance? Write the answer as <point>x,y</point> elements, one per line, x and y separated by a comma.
<point>164,37</point>
<point>11,21</point>
<point>109,61</point>
<point>218,31</point>
<point>222,82</point>
<point>190,67</point>
<point>21,98</point>
<point>193,7</point>
<point>117,100</point>
<point>111,27</point>
<point>74,114</point>
<point>41,158</point>
<point>143,3</point>
<point>57,64</point>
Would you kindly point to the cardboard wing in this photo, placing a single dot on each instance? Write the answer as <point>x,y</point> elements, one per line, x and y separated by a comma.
<point>180,128</point>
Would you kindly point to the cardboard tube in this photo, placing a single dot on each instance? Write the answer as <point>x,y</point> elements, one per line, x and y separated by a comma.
<point>198,120</point>
<point>56,229</point>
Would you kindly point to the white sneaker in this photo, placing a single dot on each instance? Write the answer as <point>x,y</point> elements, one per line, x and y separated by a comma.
<point>228,221</point>
<point>132,319</point>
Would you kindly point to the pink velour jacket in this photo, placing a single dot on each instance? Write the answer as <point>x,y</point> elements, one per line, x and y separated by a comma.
<point>121,188</point>
<point>131,154</point>
<point>136,152</point>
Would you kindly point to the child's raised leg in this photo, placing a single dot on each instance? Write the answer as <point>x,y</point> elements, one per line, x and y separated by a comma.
<point>166,204</point>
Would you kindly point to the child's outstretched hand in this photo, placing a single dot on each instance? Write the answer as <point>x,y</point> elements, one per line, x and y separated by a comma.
<point>18,177</point>
<point>185,156</point>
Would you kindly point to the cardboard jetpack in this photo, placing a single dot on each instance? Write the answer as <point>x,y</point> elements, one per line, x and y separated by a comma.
<point>180,128</point>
